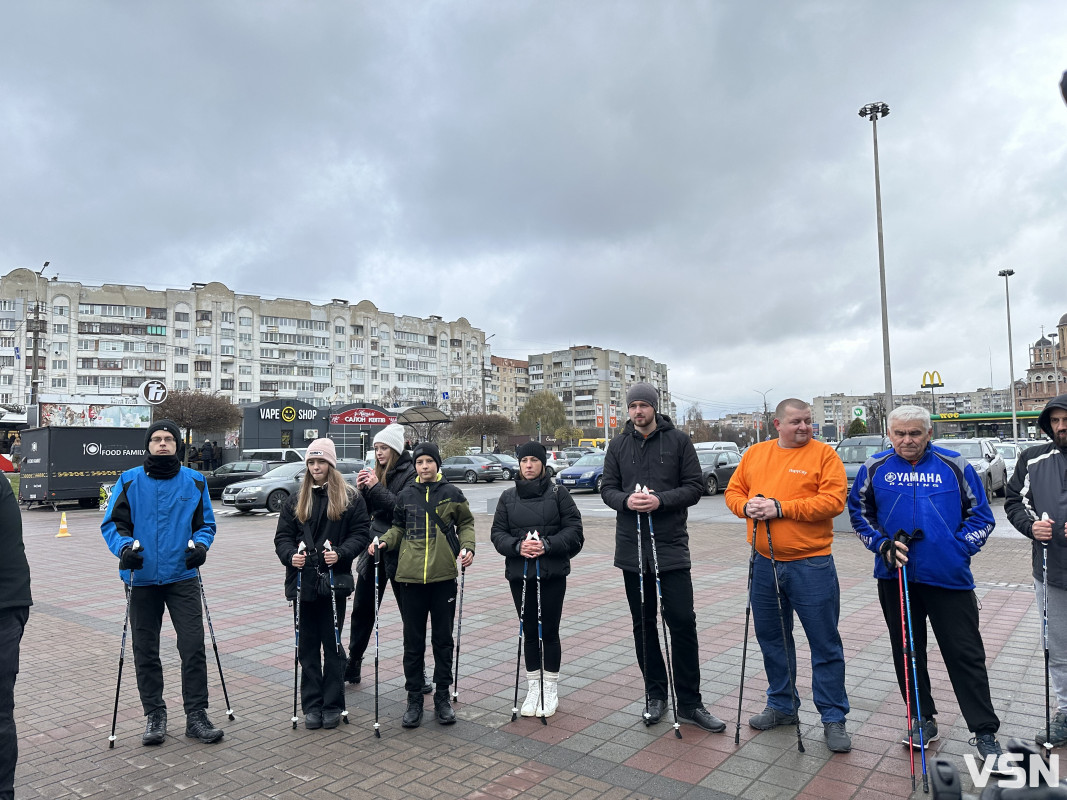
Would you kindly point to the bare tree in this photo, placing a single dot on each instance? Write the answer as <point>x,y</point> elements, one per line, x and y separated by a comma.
<point>191,409</point>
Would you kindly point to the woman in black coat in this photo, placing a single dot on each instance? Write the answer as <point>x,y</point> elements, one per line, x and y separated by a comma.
<point>538,526</point>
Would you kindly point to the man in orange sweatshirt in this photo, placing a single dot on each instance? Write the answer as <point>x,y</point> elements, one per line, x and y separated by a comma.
<point>795,486</point>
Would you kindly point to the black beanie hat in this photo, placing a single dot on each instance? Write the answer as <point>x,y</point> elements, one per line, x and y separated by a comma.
<point>535,449</point>
<point>170,427</point>
<point>427,449</point>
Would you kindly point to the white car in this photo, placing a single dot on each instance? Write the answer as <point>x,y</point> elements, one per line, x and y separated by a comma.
<point>983,456</point>
<point>1010,453</point>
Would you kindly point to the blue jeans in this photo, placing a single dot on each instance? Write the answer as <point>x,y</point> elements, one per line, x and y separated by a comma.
<point>809,587</point>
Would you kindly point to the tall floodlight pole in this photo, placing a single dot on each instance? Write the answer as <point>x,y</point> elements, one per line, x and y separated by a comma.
<point>765,432</point>
<point>1005,274</point>
<point>875,111</point>
<point>38,329</point>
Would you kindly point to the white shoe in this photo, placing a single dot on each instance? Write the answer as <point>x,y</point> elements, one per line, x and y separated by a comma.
<point>551,695</point>
<point>529,705</point>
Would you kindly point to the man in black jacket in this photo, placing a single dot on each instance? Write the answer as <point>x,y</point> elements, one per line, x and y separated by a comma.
<point>15,605</point>
<point>654,454</point>
<point>1037,506</point>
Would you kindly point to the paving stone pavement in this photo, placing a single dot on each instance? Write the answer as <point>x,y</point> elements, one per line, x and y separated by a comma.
<point>594,747</point>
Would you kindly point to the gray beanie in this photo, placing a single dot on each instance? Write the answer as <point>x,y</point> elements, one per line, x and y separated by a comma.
<point>644,392</point>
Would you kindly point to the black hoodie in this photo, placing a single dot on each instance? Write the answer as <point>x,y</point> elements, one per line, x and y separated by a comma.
<point>667,464</point>
<point>1039,486</point>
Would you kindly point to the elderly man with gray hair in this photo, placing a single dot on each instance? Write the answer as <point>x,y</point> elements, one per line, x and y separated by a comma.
<point>925,507</point>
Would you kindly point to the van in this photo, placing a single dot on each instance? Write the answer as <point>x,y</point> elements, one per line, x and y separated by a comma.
<point>717,446</point>
<point>288,454</point>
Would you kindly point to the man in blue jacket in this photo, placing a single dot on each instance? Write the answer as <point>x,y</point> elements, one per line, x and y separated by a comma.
<point>163,505</point>
<point>936,499</point>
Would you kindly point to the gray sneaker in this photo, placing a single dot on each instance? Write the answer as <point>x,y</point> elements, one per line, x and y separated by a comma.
<point>1058,732</point>
<point>929,733</point>
<point>771,718</point>
<point>987,745</point>
<point>837,739</point>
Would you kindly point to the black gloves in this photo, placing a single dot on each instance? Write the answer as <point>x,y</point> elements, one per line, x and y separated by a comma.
<point>128,559</point>
<point>888,551</point>
<point>195,557</point>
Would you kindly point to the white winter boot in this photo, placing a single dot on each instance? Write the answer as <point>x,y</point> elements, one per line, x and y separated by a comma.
<point>551,695</point>
<point>529,705</point>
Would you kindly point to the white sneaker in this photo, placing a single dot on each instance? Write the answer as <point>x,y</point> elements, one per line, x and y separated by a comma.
<point>551,695</point>
<point>529,705</point>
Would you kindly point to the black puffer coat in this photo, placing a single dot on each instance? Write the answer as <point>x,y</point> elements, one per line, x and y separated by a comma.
<point>537,505</point>
<point>381,498</point>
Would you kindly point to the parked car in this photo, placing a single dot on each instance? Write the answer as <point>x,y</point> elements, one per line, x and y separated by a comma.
<point>270,491</point>
<point>285,454</point>
<point>983,456</point>
<point>555,462</point>
<point>572,454</point>
<point>717,467</point>
<point>471,469</point>
<point>585,473</point>
<point>854,450</point>
<point>235,471</point>
<point>509,465</point>
<point>1010,452</point>
<point>717,446</point>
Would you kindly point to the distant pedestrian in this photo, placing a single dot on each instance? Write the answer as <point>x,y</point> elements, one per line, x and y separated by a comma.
<point>164,505</point>
<point>326,509</point>
<point>15,605</point>
<point>537,505</point>
<point>16,453</point>
<point>432,527</point>
<point>207,455</point>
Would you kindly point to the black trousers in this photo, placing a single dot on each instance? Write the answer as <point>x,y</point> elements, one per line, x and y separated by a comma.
<point>681,619</point>
<point>322,662</point>
<point>438,602</point>
<point>12,623</point>
<point>182,601</point>
<point>552,593</point>
<point>953,614</point>
<point>363,610</point>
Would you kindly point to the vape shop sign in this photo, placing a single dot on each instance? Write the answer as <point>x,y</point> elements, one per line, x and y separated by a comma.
<point>361,416</point>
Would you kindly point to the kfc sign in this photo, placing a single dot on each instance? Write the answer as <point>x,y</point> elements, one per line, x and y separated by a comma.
<point>361,416</point>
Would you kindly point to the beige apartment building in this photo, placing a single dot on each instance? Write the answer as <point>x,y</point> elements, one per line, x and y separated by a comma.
<point>509,386</point>
<point>106,340</point>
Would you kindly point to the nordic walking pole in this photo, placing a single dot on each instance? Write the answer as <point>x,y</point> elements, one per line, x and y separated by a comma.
<point>666,642</point>
<point>540,639</point>
<point>336,628</point>
<point>904,648</point>
<point>459,634</point>
<point>211,630</point>
<point>641,591</point>
<point>377,560</point>
<point>518,655</point>
<point>1044,634</point>
<point>748,618</point>
<point>785,642</point>
<point>122,650</point>
<point>296,631</point>
<point>906,538</point>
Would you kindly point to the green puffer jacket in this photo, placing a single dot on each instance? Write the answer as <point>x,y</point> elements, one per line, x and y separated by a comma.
<point>425,554</point>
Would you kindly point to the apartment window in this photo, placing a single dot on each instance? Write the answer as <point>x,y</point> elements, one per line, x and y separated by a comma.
<point>203,383</point>
<point>245,386</point>
<point>7,341</point>
<point>244,338</point>
<point>181,385</point>
<point>339,330</point>
<point>246,353</point>
<point>246,322</point>
<point>202,366</point>
<point>61,327</point>
<point>245,369</point>
<point>227,316</point>
<point>156,330</point>
<point>181,333</point>
<point>203,349</point>
<point>181,316</point>
<point>59,383</point>
<point>226,350</point>
<point>59,363</point>
<point>203,316</point>
<point>181,369</point>
<point>181,351</point>
<point>226,383</point>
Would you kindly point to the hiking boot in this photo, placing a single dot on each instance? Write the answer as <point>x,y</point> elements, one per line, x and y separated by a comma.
<point>837,738</point>
<point>427,687</point>
<point>929,733</point>
<point>1057,731</point>
<point>987,745</point>
<point>656,707</point>
<point>313,720</point>
<point>330,719</point>
<point>771,718</point>
<point>155,729</point>
<point>413,715</point>
<point>702,718</point>
<point>533,694</point>
<point>442,709</point>
<point>352,669</point>
<point>198,726</point>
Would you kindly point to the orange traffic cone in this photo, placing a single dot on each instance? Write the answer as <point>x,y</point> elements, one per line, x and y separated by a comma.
<point>63,526</point>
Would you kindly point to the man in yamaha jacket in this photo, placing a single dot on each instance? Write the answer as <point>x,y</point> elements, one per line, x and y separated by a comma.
<point>163,505</point>
<point>1037,507</point>
<point>653,453</point>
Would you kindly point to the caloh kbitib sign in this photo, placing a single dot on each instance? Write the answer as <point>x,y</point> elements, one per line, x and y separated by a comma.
<point>361,416</point>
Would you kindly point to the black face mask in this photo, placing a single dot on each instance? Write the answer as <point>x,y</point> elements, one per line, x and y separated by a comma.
<point>162,467</point>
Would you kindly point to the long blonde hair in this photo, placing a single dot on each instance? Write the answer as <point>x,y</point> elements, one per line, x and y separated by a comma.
<point>381,470</point>
<point>339,494</point>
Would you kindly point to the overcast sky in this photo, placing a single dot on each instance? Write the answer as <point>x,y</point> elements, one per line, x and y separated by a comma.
<point>683,180</point>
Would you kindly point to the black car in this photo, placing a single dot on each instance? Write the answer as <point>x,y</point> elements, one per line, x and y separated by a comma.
<point>235,471</point>
<point>471,469</point>
<point>717,467</point>
<point>855,450</point>
<point>509,465</point>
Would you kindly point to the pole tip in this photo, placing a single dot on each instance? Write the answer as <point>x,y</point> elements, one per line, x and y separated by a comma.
<point>230,715</point>
<point>544,721</point>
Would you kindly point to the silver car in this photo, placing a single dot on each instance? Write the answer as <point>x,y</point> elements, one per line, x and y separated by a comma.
<point>273,489</point>
<point>983,456</point>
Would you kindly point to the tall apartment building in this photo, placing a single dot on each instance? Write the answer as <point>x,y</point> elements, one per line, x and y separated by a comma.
<point>106,340</point>
<point>584,375</point>
<point>509,386</point>
<point>836,409</point>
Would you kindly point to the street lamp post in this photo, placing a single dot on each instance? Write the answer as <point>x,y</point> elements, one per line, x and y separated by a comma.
<point>37,330</point>
<point>875,111</point>
<point>485,375</point>
<point>764,434</point>
<point>1005,274</point>
<point>1055,361</point>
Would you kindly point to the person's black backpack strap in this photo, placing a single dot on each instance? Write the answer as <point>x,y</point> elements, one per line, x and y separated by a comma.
<point>449,531</point>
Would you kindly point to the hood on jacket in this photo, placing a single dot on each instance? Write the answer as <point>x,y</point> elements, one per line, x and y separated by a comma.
<point>1043,420</point>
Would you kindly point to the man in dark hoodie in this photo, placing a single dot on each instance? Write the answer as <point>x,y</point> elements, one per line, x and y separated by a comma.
<point>1036,504</point>
<point>654,454</point>
<point>15,605</point>
<point>164,505</point>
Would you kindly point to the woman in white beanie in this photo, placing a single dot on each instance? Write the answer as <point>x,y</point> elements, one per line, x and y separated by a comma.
<point>393,470</point>
<point>326,509</point>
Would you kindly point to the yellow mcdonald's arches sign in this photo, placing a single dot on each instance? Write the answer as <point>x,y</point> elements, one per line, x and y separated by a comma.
<point>932,380</point>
